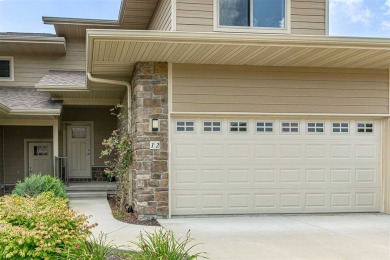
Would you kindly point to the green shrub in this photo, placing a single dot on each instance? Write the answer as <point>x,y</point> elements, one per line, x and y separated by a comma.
<point>161,245</point>
<point>39,227</point>
<point>37,184</point>
<point>92,249</point>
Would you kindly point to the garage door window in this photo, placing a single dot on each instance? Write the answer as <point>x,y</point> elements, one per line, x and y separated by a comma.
<point>340,128</point>
<point>365,127</point>
<point>264,127</point>
<point>315,127</point>
<point>212,126</point>
<point>290,127</point>
<point>185,126</point>
<point>236,127</point>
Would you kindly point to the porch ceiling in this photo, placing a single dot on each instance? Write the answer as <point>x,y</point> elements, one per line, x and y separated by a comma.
<point>114,53</point>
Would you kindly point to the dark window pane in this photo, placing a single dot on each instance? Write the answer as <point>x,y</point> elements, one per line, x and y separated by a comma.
<point>344,130</point>
<point>233,129</point>
<point>311,124</point>
<point>260,129</point>
<point>234,12</point>
<point>268,129</point>
<point>180,129</point>
<point>207,129</point>
<point>5,70</point>
<point>207,123</point>
<point>217,124</point>
<point>369,131</point>
<point>294,130</point>
<point>242,124</point>
<point>344,125</point>
<point>233,124</point>
<point>360,125</point>
<point>268,124</point>
<point>190,123</point>
<point>369,125</point>
<point>180,123</point>
<point>320,130</point>
<point>311,130</point>
<point>269,13</point>
<point>360,130</point>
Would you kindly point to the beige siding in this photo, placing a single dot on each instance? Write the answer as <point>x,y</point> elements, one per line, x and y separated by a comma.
<point>14,148</point>
<point>104,124</point>
<point>213,88</point>
<point>30,69</point>
<point>307,16</point>
<point>162,17</point>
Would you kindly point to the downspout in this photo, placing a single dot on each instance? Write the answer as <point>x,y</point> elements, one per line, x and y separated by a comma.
<point>128,86</point>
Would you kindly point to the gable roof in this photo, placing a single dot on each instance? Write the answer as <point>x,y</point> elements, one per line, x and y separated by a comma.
<point>133,15</point>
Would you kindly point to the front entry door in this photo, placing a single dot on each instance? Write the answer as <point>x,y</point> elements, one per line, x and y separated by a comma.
<point>79,151</point>
<point>40,158</point>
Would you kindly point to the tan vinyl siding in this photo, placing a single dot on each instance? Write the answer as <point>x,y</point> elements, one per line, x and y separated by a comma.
<point>194,15</point>
<point>103,122</point>
<point>249,89</point>
<point>162,17</point>
<point>307,16</point>
<point>30,69</point>
<point>14,137</point>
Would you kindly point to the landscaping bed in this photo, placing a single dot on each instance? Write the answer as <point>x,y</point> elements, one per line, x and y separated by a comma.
<point>128,217</point>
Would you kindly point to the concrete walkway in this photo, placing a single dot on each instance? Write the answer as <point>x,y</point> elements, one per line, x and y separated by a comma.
<point>340,236</point>
<point>118,232</point>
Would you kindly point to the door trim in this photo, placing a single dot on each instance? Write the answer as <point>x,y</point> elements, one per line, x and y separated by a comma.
<point>26,152</point>
<point>65,125</point>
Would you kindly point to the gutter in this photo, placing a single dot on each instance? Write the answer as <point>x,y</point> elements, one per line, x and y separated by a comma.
<point>128,86</point>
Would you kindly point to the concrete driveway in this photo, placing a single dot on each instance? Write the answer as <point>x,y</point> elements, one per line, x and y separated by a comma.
<point>340,236</point>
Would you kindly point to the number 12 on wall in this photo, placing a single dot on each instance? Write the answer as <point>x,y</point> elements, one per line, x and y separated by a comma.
<point>155,145</point>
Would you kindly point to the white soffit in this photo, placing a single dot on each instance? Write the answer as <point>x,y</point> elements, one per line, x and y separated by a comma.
<point>115,52</point>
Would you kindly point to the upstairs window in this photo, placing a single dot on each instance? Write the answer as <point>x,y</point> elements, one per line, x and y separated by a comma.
<point>6,69</point>
<point>253,14</point>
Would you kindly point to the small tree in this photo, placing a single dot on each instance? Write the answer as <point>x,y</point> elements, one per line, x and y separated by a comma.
<point>119,147</point>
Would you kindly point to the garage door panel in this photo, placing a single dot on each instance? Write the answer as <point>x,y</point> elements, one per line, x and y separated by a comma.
<point>275,173</point>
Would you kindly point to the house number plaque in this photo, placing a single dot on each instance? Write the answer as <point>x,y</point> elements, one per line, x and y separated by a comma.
<point>155,145</point>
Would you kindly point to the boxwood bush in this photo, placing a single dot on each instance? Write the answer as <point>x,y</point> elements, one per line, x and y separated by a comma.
<point>37,184</point>
<point>41,227</point>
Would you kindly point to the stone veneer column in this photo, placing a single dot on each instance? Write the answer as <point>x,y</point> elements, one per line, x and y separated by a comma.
<point>150,167</point>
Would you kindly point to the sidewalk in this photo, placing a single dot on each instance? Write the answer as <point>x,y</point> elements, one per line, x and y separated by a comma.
<point>119,233</point>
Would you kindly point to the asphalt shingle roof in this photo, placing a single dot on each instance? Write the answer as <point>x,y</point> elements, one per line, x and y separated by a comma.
<point>27,99</point>
<point>63,78</point>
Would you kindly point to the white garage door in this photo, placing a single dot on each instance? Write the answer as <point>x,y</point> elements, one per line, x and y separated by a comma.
<point>236,166</point>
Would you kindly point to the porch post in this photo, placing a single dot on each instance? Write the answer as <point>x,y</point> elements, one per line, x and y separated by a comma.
<point>55,144</point>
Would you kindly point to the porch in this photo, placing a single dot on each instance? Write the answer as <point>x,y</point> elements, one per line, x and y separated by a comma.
<point>67,147</point>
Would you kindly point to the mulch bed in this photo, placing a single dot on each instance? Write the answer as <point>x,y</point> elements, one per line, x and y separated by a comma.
<point>128,217</point>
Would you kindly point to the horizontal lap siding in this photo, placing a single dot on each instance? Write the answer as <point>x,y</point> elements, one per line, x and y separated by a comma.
<point>214,88</point>
<point>162,17</point>
<point>307,16</point>
<point>29,70</point>
<point>14,137</point>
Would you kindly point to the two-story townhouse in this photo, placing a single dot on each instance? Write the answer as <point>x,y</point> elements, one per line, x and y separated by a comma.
<point>236,107</point>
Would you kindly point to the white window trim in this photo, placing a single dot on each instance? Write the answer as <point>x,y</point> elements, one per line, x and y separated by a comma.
<point>239,132</point>
<point>185,131</point>
<point>11,64</point>
<point>212,132</point>
<point>365,122</point>
<point>264,121</point>
<point>244,29</point>
<point>315,122</point>
<point>290,133</point>
<point>340,133</point>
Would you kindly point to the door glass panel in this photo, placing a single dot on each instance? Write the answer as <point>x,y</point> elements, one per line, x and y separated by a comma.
<point>78,132</point>
<point>41,150</point>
